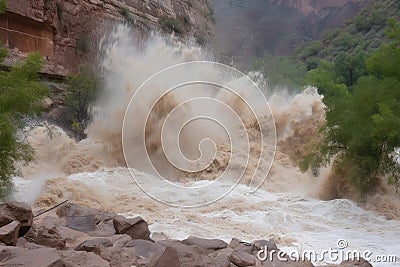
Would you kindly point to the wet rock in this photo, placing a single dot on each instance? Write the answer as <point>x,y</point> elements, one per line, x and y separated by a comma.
<point>16,211</point>
<point>152,254</point>
<point>212,244</point>
<point>9,233</point>
<point>136,228</point>
<point>13,256</point>
<point>242,259</point>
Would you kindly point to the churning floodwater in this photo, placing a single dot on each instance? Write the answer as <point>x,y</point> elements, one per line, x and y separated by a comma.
<point>286,208</point>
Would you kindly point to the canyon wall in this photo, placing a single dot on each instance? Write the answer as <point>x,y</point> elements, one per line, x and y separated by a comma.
<point>66,31</point>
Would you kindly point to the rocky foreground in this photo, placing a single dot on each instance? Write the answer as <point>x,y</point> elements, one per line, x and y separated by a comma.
<point>73,235</point>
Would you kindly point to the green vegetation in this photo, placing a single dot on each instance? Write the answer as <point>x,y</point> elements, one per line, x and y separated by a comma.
<point>172,25</point>
<point>362,96</point>
<point>364,33</point>
<point>82,91</point>
<point>3,6</point>
<point>126,13</point>
<point>21,95</point>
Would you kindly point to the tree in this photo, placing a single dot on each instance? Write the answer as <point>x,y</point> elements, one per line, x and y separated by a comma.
<point>350,67</point>
<point>362,127</point>
<point>21,95</point>
<point>82,91</point>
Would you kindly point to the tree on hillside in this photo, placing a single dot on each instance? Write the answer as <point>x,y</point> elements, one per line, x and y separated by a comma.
<point>20,97</point>
<point>362,127</point>
<point>83,89</point>
<point>350,67</point>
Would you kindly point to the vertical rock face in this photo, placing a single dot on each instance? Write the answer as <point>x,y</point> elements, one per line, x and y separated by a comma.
<point>308,7</point>
<point>66,31</point>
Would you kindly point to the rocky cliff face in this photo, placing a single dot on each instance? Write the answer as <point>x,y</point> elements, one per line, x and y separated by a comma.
<point>66,31</point>
<point>308,7</point>
<point>249,29</point>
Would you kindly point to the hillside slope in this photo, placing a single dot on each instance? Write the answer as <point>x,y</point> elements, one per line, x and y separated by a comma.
<point>249,29</point>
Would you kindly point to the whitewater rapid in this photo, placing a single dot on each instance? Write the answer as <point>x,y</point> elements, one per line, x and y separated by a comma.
<point>293,220</point>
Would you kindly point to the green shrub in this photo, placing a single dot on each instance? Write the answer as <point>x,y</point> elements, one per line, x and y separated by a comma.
<point>3,6</point>
<point>172,25</point>
<point>83,89</point>
<point>126,13</point>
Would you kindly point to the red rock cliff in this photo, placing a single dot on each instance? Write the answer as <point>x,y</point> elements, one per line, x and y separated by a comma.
<point>60,28</point>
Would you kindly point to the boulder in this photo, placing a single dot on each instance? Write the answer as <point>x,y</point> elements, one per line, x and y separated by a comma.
<point>189,255</point>
<point>72,258</point>
<point>119,256</point>
<point>16,211</point>
<point>211,244</point>
<point>120,241</point>
<point>81,218</point>
<point>13,256</point>
<point>242,259</point>
<point>24,243</point>
<point>136,228</point>
<point>152,254</point>
<point>9,233</point>
<point>94,245</point>
<point>221,257</point>
<point>104,228</point>
<point>46,234</point>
